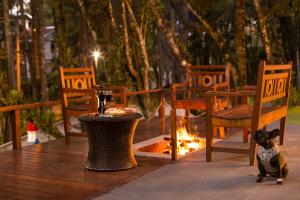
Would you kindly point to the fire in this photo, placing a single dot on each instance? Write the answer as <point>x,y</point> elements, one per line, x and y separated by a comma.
<point>188,142</point>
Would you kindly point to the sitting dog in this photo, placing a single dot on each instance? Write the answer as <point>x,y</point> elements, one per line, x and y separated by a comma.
<point>270,160</point>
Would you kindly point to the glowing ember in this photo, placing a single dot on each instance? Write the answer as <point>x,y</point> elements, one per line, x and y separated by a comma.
<point>187,142</point>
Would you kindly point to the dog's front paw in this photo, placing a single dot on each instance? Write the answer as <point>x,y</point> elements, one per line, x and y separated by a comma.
<point>279,181</point>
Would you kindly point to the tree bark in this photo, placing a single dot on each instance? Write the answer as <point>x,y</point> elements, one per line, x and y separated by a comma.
<point>168,33</point>
<point>59,22</point>
<point>240,40</point>
<point>142,45</point>
<point>111,14</point>
<point>219,39</point>
<point>88,22</point>
<point>263,31</point>
<point>28,63</point>
<point>38,48</point>
<point>9,50</point>
<point>213,33</point>
<point>131,69</point>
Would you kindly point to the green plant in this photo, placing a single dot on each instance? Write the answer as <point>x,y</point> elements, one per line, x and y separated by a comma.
<point>45,121</point>
<point>53,86</point>
<point>46,124</point>
<point>12,97</point>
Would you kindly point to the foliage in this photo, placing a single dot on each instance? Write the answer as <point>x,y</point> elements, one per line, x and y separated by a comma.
<point>53,91</point>
<point>11,98</point>
<point>45,121</point>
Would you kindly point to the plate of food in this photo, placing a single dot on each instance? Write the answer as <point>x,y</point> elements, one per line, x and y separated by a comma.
<point>120,111</point>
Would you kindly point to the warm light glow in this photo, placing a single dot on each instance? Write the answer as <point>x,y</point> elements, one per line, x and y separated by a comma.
<point>187,142</point>
<point>97,54</point>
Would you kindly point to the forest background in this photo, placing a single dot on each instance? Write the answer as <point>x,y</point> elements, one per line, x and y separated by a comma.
<point>145,44</point>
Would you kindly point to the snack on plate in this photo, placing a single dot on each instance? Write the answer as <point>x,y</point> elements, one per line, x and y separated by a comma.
<point>120,111</point>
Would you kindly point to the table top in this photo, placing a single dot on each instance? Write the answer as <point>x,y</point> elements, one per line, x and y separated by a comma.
<point>91,117</point>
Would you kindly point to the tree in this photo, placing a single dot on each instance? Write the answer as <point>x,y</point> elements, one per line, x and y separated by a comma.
<point>142,43</point>
<point>8,44</point>
<point>168,32</point>
<point>240,40</point>
<point>263,30</point>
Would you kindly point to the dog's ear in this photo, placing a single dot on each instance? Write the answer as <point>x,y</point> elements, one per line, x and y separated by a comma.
<point>274,133</point>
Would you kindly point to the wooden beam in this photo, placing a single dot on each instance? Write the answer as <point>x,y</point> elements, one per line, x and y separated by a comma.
<point>16,130</point>
<point>28,106</point>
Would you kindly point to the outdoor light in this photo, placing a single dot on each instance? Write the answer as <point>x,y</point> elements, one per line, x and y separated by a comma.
<point>104,97</point>
<point>97,54</point>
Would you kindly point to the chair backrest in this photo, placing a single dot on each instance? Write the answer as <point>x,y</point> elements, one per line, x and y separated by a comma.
<point>203,78</point>
<point>273,85</point>
<point>76,78</point>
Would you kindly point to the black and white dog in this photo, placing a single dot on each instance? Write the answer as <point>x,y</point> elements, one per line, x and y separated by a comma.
<point>270,160</point>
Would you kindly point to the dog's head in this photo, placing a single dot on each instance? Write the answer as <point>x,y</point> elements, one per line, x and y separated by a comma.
<point>263,137</point>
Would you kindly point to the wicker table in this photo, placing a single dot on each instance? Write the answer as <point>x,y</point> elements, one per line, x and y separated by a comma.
<point>110,141</point>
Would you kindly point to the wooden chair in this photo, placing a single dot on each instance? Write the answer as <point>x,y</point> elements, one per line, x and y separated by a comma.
<point>271,104</point>
<point>77,95</point>
<point>200,79</point>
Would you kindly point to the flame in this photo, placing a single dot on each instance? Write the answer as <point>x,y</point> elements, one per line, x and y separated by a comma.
<point>187,142</point>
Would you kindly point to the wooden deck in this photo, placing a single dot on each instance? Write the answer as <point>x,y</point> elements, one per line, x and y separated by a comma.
<point>56,171</point>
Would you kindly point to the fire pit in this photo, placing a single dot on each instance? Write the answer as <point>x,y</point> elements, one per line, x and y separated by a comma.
<point>161,146</point>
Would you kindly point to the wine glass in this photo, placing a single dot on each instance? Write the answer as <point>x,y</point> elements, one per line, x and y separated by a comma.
<point>101,96</point>
<point>108,97</point>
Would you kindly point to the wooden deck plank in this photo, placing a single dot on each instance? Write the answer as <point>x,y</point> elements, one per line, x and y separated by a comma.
<point>55,170</point>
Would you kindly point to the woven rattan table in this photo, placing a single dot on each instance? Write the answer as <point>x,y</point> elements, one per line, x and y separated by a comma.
<point>110,141</point>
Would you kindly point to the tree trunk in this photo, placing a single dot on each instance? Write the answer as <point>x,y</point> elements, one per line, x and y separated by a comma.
<point>240,40</point>
<point>9,50</point>
<point>131,69</point>
<point>111,14</point>
<point>263,31</point>
<point>10,67</point>
<point>28,63</point>
<point>219,39</point>
<point>59,22</point>
<point>36,32</point>
<point>142,45</point>
<point>168,33</point>
<point>88,22</point>
<point>38,48</point>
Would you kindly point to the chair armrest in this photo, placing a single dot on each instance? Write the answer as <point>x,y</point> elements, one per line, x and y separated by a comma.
<point>230,94</point>
<point>174,87</point>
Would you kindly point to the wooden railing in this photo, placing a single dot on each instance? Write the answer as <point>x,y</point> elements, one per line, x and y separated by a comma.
<point>162,108</point>
<point>16,110</point>
<point>16,121</point>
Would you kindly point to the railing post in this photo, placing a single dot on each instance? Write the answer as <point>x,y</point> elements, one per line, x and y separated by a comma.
<point>162,116</point>
<point>16,130</point>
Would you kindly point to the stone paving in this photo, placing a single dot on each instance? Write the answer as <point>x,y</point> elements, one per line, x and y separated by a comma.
<point>228,177</point>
